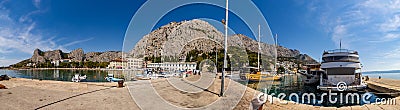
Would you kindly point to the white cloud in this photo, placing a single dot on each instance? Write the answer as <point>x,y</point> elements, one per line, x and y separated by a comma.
<point>77,42</point>
<point>391,36</point>
<point>7,62</point>
<point>391,24</point>
<point>367,26</point>
<point>37,3</point>
<point>394,54</point>
<point>21,36</point>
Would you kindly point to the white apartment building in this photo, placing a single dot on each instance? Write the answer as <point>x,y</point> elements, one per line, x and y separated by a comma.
<point>134,63</point>
<point>173,66</point>
<point>128,63</point>
<point>57,62</point>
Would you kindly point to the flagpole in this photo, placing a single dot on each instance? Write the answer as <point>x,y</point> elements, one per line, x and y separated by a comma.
<point>225,48</point>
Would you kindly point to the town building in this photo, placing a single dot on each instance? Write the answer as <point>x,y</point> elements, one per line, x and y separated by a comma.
<point>128,63</point>
<point>57,62</point>
<point>173,66</point>
<point>135,63</point>
<point>117,64</point>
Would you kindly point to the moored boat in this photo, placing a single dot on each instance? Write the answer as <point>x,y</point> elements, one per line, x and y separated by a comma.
<point>78,78</point>
<point>111,78</point>
<point>312,74</point>
<point>256,75</point>
<point>342,71</point>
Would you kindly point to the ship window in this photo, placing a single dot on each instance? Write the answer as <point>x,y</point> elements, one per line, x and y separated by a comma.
<point>327,59</point>
<point>340,71</point>
<point>340,58</point>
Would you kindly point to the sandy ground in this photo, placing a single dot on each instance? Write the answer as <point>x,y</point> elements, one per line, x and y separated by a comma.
<point>26,94</point>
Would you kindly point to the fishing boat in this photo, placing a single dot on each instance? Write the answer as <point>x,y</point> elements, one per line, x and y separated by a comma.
<point>78,78</point>
<point>111,78</point>
<point>342,71</point>
<point>255,73</point>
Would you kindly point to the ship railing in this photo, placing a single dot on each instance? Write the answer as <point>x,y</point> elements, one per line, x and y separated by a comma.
<point>340,50</point>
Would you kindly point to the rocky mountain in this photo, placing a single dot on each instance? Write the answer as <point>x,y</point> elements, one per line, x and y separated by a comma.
<point>77,55</point>
<point>177,38</point>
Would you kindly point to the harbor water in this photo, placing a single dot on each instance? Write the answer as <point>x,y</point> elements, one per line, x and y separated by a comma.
<point>292,84</point>
<point>66,75</point>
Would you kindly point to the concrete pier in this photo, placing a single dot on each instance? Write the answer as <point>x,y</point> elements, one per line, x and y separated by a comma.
<point>385,86</point>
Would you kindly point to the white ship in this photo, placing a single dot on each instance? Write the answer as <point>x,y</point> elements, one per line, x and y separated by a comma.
<point>342,71</point>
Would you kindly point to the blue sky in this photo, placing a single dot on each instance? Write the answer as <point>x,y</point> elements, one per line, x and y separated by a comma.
<point>370,26</point>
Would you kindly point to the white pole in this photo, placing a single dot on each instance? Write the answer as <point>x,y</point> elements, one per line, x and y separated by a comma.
<point>225,48</point>
<point>276,47</point>
<point>259,48</point>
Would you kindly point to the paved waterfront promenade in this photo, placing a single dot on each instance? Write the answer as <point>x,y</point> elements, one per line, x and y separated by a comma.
<point>387,86</point>
<point>144,94</point>
<point>151,94</point>
<point>176,93</point>
<point>28,94</point>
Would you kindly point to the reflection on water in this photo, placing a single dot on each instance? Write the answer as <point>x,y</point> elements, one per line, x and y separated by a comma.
<point>293,84</point>
<point>66,75</point>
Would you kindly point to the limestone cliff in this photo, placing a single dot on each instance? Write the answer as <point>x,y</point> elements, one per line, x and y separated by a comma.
<point>178,38</point>
<point>77,55</point>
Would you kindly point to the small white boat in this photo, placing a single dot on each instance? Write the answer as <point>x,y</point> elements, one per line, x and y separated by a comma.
<point>78,78</point>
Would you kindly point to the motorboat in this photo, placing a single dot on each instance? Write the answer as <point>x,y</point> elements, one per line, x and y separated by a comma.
<point>342,71</point>
<point>111,78</point>
<point>78,78</point>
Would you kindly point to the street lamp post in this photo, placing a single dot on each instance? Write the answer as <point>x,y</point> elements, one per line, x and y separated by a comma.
<point>225,48</point>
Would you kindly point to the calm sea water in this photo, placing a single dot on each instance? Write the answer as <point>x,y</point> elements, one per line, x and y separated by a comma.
<point>383,75</point>
<point>66,75</point>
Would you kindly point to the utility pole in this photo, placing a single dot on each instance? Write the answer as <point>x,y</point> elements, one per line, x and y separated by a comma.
<point>225,45</point>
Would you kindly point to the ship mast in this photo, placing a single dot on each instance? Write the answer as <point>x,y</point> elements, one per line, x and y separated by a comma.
<point>276,47</point>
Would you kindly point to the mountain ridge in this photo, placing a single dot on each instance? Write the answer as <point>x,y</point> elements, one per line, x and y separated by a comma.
<point>178,38</point>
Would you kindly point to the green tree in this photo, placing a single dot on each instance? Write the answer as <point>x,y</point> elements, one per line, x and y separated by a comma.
<point>281,70</point>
